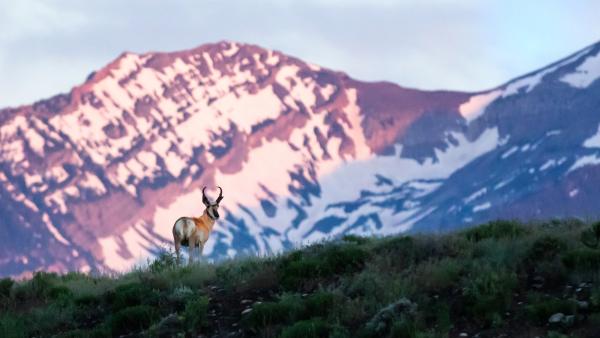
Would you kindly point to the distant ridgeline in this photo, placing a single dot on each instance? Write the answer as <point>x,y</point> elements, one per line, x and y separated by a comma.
<point>94,179</point>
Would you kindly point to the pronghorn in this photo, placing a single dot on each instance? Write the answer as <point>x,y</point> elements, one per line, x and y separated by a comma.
<point>194,231</point>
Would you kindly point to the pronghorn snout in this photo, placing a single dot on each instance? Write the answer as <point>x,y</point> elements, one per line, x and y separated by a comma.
<point>213,211</point>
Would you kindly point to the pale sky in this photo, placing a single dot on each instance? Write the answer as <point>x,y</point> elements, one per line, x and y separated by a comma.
<point>49,46</point>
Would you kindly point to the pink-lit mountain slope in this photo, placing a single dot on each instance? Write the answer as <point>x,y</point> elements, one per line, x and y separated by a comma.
<point>95,178</point>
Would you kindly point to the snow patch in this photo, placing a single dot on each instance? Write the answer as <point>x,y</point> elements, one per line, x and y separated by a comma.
<point>335,187</point>
<point>481,207</point>
<point>585,74</point>
<point>58,173</point>
<point>35,140</point>
<point>138,247</point>
<point>475,195</point>
<point>509,152</point>
<point>477,104</point>
<point>92,182</point>
<point>250,109</point>
<point>56,199</point>
<point>175,164</point>
<point>593,141</point>
<point>553,132</point>
<point>548,164</point>
<point>553,163</point>
<point>272,58</point>
<point>530,82</point>
<point>585,161</point>
<point>573,193</point>
<point>54,231</point>
<point>233,48</point>
<point>246,182</point>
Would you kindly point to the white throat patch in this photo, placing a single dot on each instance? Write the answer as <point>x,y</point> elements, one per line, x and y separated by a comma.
<point>211,214</point>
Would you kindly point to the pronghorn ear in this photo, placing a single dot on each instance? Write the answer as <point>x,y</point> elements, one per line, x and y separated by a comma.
<point>220,196</point>
<point>204,199</point>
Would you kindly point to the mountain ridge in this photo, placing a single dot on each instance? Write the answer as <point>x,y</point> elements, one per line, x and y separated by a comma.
<point>99,173</point>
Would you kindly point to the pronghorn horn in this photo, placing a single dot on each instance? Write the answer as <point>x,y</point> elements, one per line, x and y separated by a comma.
<point>220,196</point>
<point>204,198</point>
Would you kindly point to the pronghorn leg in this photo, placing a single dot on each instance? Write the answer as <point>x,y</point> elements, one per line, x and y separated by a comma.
<point>200,249</point>
<point>192,245</point>
<point>177,243</point>
<point>177,249</point>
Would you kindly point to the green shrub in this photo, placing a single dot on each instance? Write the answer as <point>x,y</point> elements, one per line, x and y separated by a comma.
<point>400,246</point>
<point>297,268</point>
<point>38,288</point>
<point>133,319</point>
<point>456,246</point>
<point>595,298</point>
<point>43,282</point>
<point>352,313</point>
<point>595,319</point>
<point>554,273</point>
<point>582,259</point>
<point>196,313</point>
<point>88,309</point>
<point>319,304</point>
<point>540,308</point>
<point>437,312</point>
<point>131,294</point>
<point>171,325</point>
<point>180,296</point>
<point>73,275</point>
<point>365,284</point>
<point>60,292</point>
<point>488,291</point>
<point>77,333</point>
<point>6,285</point>
<point>249,273</point>
<point>87,300</point>
<point>496,230</point>
<point>12,326</point>
<point>554,334</point>
<point>591,237</point>
<point>81,284</point>
<point>382,323</point>
<point>545,248</point>
<point>194,276</point>
<point>266,314</point>
<point>164,260</point>
<point>55,317</point>
<point>97,332</point>
<point>355,239</point>
<point>438,275</point>
<point>508,253</point>
<point>341,259</point>
<point>83,333</point>
<point>312,328</point>
<point>322,261</point>
<point>403,328</point>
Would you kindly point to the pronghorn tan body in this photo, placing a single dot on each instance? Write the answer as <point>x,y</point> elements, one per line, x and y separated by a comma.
<point>193,232</point>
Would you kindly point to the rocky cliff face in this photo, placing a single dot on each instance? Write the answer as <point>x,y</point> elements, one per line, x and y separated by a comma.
<point>95,178</point>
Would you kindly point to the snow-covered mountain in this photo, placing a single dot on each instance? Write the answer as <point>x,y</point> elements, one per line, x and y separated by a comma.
<point>95,178</point>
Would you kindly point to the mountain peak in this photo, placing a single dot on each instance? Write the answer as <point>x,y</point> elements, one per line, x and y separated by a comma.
<point>302,152</point>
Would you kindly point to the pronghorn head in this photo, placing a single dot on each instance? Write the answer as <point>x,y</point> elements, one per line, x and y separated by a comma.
<point>212,209</point>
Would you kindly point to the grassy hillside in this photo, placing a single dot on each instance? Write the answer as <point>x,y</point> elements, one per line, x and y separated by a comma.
<point>501,279</point>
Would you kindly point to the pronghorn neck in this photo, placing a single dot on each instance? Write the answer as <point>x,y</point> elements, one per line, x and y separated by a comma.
<point>207,219</point>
